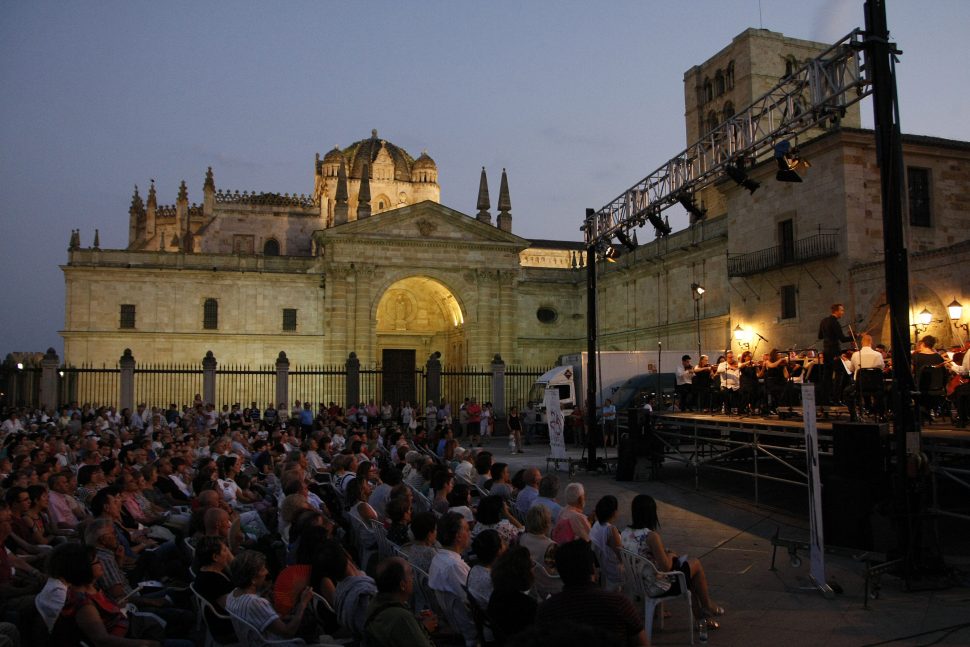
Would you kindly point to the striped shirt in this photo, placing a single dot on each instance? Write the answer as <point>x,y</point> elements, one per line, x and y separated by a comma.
<point>252,608</point>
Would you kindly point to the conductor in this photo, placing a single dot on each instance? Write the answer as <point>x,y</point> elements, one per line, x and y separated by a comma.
<point>830,332</point>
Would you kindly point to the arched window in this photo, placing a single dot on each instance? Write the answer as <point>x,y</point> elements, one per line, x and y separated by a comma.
<point>210,314</point>
<point>790,65</point>
<point>712,121</point>
<point>728,111</point>
<point>708,90</point>
<point>271,247</point>
<point>729,76</point>
<point>719,83</point>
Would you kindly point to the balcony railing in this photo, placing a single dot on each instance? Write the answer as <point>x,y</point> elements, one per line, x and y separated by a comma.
<point>804,250</point>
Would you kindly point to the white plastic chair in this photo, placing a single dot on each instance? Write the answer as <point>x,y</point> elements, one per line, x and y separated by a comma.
<point>637,572</point>
<point>204,611</point>
<point>250,636</point>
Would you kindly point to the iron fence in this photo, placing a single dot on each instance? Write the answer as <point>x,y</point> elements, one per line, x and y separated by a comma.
<point>163,384</point>
<point>240,384</point>
<point>20,387</point>
<point>803,250</point>
<point>87,384</point>
<point>324,383</point>
<point>458,383</point>
<point>371,384</point>
<point>519,380</point>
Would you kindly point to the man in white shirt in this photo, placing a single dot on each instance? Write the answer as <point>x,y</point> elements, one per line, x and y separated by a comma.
<point>685,379</point>
<point>730,374</point>
<point>449,573</point>
<point>864,358</point>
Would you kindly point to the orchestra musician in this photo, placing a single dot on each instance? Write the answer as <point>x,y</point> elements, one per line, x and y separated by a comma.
<point>685,378</point>
<point>774,369</point>
<point>703,378</point>
<point>730,373</point>
<point>748,393</point>
<point>864,359</point>
<point>830,332</point>
<point>960,394</point>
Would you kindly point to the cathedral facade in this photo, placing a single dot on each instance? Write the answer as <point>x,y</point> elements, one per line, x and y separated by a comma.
<point>370,262</point>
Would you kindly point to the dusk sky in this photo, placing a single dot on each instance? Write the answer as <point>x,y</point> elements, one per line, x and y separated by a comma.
<point>578,100</point>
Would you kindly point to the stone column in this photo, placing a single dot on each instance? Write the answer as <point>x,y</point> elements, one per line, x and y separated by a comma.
<point>353,379</point>
<point>126,397</point>
<point>498,393</point>
<point>48,380</point>
<point>209,378</point>
<point>433,379</point>
<point>282,379</point>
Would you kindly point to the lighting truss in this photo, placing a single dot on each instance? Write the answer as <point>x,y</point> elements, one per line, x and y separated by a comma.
<point>818,93</point>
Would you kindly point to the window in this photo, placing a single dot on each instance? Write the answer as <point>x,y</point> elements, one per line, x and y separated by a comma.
<point>243,244</point>
<point>729,77</point>
<point>127,316</point>
<point>708,90</point>
<point>712,122</point>
<point>546,315</point>
<point>271,247</point>
<point>719,83</point>
<point>790,65</point>
<point>210,314</point>
<point>788,302</point>
<point>728,111</point>
<point>786,241</point>
<point>918,188</point>
<point>289,319</point>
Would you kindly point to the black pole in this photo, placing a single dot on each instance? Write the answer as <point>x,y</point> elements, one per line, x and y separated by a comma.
<point>590,340</point>
<point>697,320</point>
<point>889,156</point>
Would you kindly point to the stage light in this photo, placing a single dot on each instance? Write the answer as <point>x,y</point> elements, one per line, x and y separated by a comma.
<point>686,200</point>
<point>20,366</point>
<point>698,289</point>
<point>789,163</point>
<point>663,229</point>
<point>737,174</point>
<point>625,240</point>
<point>610,253</point>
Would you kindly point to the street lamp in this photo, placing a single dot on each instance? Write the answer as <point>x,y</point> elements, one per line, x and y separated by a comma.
<point>923,321</point>
<point>743,337</point>
<point>697,291</point>
<point>956,313</point>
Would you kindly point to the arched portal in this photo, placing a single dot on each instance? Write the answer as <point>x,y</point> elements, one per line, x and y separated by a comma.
<point>419,314</point>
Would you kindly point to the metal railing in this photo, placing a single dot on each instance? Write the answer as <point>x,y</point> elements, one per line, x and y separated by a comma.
<point>519,380</point>
<point>162,384</point>
<point>236,383</point>
<point>458,383</point>
<point>324,383</point>
<point>804,250</point>
<point>88,384</point>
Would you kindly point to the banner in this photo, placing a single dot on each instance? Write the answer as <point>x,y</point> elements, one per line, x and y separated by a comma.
<point>816,541</point>
<point>556,423</point>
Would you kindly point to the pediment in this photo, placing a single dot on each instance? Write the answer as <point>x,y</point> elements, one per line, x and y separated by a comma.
<point>424,221</point>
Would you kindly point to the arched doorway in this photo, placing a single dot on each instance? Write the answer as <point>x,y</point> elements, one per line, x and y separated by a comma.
<point>417,316</point>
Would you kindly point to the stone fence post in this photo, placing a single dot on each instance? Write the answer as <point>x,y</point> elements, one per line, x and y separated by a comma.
<point>498,392</point>
<point>282,379</point>
<point>353,380</point>
<point>48,380</point>
<point>209,378</point>
<point>433,381</point>
<point>126,383</point>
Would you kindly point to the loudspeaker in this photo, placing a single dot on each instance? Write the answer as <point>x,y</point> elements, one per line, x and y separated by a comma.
<point>859,450</point>
<point>626,464</point>
<point>846,508</point>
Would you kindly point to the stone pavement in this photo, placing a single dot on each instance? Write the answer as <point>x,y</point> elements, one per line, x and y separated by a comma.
<point>732,538</point>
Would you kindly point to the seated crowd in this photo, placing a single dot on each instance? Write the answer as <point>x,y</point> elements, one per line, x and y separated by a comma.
<point>169,527</point>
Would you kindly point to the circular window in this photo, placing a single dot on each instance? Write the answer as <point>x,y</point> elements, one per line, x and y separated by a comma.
<point>546,315</point>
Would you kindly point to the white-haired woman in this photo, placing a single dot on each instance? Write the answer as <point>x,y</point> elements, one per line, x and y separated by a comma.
<point>573,523</point>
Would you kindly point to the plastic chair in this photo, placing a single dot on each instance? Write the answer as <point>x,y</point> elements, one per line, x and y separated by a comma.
<point>421,502</point>
<point>637,572</point>
<point>205,611</point>
<point>364,537</point>
<point>385,547</point>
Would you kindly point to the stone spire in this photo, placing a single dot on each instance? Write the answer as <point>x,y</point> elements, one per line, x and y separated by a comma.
<point>483,202</point>
<point>182,214</point>
<point>209,194</point>
<point>504,219</point>
<point>75,240</point>
<point>341,208</point>
<point>136,212</point>
<point>363,197</point>
<point>150,211</point>
<point>97,239</point>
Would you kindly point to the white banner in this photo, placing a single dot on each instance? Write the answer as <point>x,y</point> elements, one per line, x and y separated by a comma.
<point>556,422</point>
<point>816,539</point>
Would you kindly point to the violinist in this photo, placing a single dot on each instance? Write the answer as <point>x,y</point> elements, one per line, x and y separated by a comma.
<point>774,370</point>
<point>748,379</point>
<point>703,378</point>
<point>961,393</point>
<point>925,360</point>
<point>684,387</point>
<point>730,373</point>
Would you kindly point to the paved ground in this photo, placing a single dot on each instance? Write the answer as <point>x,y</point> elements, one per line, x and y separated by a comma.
<point>732,538</point>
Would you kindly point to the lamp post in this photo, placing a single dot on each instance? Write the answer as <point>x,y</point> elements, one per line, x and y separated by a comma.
<point>697,291</point>
<point>955,309</point>
<point>741,337</point>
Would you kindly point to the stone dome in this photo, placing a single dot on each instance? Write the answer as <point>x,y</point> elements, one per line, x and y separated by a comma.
<point>333,156</point>
<point>424,162</point>
<point>365,152</point>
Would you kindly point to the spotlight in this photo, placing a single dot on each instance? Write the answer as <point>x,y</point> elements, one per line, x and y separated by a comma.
<point>610,253</point>
<point>663,229</point>
<point>625,240</point>
<point>686,200</point>
<point>788,162</point>
<point>698,289</point>
<point>737,174</point>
